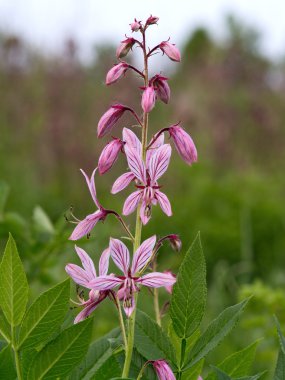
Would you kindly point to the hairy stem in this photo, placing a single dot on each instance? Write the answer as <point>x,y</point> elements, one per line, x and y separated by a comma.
<point>138,230</point>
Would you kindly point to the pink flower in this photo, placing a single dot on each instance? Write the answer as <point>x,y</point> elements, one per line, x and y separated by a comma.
<point>116,72</point>
<point>183,144</point>
<point>148,193</point>
<point>109,155</point>
<point>151,20</point>
<point>130,281</point>
<point>162,88</point>
<point>168,288</point>
<point>135,26</point>
<point>148,99</point>
<point>125,47</point>
<point>86,225</point>
<point>170,50</point>
<point>110,118</point>
<point>163,370</point>
<point>83,276</point>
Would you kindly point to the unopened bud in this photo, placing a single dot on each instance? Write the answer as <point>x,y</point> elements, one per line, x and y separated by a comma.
<point>183,144</point>
<point>171,51</point>
<point>148,99</point>
<point>162,88</point>
<point>163,370</point>
<point>116,72</point>
<point>175,242</point>
<point>135,26</point>
<point>125,47</point>
<point>151,20</point>
<point>109,119</point>
<point>109,155</point>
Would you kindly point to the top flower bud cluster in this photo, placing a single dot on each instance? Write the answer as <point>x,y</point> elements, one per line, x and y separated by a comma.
<point>147,163</point>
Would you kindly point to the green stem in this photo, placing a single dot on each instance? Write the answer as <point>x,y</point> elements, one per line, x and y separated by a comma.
<point>122,324</point>
<point>156,300</point>
<point>138,230</point>
<point>16,353</point>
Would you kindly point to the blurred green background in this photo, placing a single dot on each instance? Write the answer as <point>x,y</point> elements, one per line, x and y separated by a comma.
<point>229,96</point>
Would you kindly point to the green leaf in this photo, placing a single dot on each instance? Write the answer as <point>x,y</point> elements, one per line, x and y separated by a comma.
<point>14,287</point>
<point>45,315</point>
<point>5,328</point>
<point>194,372</point>
<point>151,341</point>
<point>60,356</point>
<point>280,367</point>
<point>4,192</point>
<point>280,335</point>
<point>108,370</point>
<point>189,292</point>
<point>237,364</point>
<point>215,333</point>
<point>221,375</point>
<point>7,366</point>
<point>98,353</point>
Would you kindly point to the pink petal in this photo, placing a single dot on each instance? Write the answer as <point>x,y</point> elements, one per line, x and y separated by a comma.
<point>163,370</point>
<point>131,203</point>
<point>122,182</point>
<point>104,262</point>
<point>159,162</point>
<point>86,261</point>
<point>91,185</point>
<point>151,151</point>
<point>129,304</point>
<point>105,282</point>
<point>143,254</point>
<point>85,226</point>
<point>135,163</point>
<point>85,312</point>
<point>120,255</point>
<point>157,279</point>
<point>145,216</point>
<point>163,202</point>
<point>78,275</point>
<point>132,141</point>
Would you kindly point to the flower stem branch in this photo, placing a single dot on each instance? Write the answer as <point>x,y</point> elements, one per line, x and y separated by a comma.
<point>16,353</point>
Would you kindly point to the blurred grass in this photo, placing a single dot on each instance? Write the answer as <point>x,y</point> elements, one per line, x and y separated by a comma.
<point>229,96</point>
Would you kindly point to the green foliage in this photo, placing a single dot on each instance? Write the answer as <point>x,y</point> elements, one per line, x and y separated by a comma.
<point>7,365</point>
<point>215,332</point>
<point>189,292</point>
<point>5,329</point>
<point>99,353</point>
<point>237,364</point>
<point>62,354</point>
<point>45,315</point>
<point>14,287</point>
<point>280,365</point>
<point>151,341</point>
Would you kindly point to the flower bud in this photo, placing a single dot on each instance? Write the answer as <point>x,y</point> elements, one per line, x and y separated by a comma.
<point>125,47</point>
<point>163,370</point>
<point>151,20</point>
<point>175,242</point>
<point>109,155</point>
<point>109,119</point>
<point>115,73</point>
<point>135,26</point>
<point>171,51</point>
<point>183,144</point>
<point>148,99</point>
<point>161,87</point>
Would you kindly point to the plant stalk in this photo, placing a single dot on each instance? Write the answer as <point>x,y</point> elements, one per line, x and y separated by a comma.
<point>138,230</point>
<point>16,353</point>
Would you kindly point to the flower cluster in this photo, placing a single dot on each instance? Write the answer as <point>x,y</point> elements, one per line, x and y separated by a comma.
<point>147,160</point>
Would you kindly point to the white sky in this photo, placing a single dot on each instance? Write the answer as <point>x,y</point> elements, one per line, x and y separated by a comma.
<point>47,23</point>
